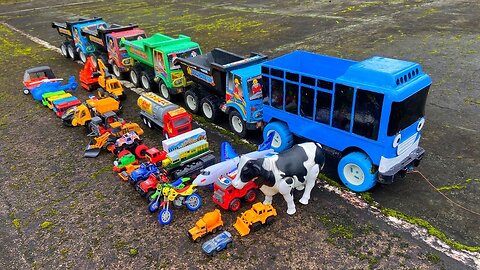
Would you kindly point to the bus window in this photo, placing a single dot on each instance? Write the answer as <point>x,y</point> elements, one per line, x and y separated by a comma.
<point>405,113</point>
<point>277,94</point>
<point>324,103</point>
<point>291,98</point>
<point>342,109</point>
<point>368,108</point>
<point>306,102</point>
<point>265,89</point>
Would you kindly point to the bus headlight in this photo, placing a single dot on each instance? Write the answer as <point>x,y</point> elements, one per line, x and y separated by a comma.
<point>396,140</point>
<point>420,124</point>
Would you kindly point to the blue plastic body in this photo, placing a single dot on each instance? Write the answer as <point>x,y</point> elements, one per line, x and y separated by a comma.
<point>218,243</point>
<point>394,80</point>
<point>47,87</point>
<point>80,41</point>
<point>143,172</point>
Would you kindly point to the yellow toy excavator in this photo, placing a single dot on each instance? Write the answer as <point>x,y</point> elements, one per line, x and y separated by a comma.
<point>109,85</point>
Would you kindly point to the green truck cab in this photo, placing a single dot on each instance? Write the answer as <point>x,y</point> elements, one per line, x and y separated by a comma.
<point>152,60</point>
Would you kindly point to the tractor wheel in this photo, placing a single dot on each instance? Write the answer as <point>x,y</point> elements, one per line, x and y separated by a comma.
<point>256,226</point>
<point>269,220</point>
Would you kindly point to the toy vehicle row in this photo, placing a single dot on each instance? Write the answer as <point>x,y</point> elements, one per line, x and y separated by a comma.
<point>369,113</point>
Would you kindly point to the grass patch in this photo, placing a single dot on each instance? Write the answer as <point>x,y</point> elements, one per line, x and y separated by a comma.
<point>458,187</point>
<point>16,223</point>
<point>433,258</point>
<point>46,225</point>
<point>133,252</point>
<point>101,171</point>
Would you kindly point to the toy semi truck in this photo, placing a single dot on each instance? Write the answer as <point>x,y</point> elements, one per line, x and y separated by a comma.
<point>151,61</point>
<point>76,45</point>
<point>158,112</point>
<point>369,114</point>
<point>106,41</point>
<point>224,81</point>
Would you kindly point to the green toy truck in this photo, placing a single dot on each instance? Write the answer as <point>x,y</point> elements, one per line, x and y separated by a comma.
<point>151,60</point>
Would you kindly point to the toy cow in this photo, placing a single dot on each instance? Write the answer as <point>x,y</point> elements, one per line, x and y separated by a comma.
<point>297,168</point>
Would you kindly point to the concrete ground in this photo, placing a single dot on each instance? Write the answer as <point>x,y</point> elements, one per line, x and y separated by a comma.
<point>60,210</point>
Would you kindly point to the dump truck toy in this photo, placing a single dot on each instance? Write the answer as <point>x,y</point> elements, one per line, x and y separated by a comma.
<point>157,112</point>
<point>105,109</point>
<point>77,45</point>
<point>228,197</point>
<point>254,218</point>
<point>33,77</point>
<point>217,244</point>
<point>107,47</point>
<point>225,82</point>
<point>209,223</point>
<point>151,62</point>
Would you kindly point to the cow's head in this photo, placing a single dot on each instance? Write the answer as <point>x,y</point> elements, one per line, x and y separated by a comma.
<point>248,169</point>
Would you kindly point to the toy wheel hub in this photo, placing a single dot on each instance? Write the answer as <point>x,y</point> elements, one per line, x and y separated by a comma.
<point>237,123</point>
<point>354,174</point>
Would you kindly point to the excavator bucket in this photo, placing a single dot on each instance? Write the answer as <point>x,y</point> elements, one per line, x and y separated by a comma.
<point>92,151</point>
<point>241,227</point>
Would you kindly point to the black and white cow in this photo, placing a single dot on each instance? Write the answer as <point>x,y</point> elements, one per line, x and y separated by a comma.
<point>297,168</point>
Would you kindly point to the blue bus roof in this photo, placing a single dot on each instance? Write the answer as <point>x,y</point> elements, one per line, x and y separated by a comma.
<point>63,100</point>
<point>376,71</point>
<point>247,72</point>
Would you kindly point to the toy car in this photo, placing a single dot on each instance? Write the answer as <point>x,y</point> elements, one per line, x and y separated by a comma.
<point>228,197</point>
<point>33,77</point>
<point>142,172</point>
<point>218,243</point>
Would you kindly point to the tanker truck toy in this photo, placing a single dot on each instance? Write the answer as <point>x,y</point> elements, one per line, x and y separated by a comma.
<point>218,243</point>
<point>161,113</point>
<point>253,219</point>
<point>225,82</point>
<point>106,43</point>
<point>209,223</point>
<point>151,62</point>
<point>228,197</point>
<point>76,45</point>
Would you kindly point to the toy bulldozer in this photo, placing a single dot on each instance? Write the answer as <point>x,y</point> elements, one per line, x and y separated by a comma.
<point>254,218</point>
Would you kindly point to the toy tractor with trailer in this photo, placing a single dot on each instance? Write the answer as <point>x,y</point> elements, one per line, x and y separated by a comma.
<point>368,114</point>
<point>33,77</point>
<point>253,219</point>
<point>105,109</point>
<point>169,117</point>
<point>52,99</point>
<point>61,108</point>
<point>225,82</point>
<point>228,197</point>
<point>107,45</point>
<point>76,45</point>
<point>151,62</point>
<point>209,223</point>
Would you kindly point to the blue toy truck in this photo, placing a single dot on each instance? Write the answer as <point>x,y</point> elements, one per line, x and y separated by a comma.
<point>224,81</point>
<point>143,172</point>
<point>76,45</point>
<point>369,114</point>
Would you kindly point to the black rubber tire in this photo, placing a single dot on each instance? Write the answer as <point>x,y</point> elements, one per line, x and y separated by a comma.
<point>212,113</point>
<point>72,52</point>
<point>137,70</point>
<point>191,98</point>
<point>163,90</point>
<point>63,49</point>
<point>146,80</point>
<point>117,71</point>
<point>83,57</point>
<point>237,125</point>
<point>256,226</point>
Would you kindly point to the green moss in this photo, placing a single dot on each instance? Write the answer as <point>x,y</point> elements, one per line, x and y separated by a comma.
<point>451,187</point>
<point>330,181</point>
<point>431,230</point>
<point>52,213</point>
<point>433,258</point>
<point>345,232</point>
<point>120,244</point>
<point>16,223</point>
<point>101,171</point>
<point>64,251</point>
<point>46,225</point>
<point>133,252</point>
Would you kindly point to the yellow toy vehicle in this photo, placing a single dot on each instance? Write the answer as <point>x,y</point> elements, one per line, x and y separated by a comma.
<point>254,218</point>
<point>109,85</point>
<point>210,222</point>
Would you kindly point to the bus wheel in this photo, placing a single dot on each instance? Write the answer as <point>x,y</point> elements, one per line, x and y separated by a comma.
<point>355,171</point>
<point>282,139</point>
<point>237,124</point>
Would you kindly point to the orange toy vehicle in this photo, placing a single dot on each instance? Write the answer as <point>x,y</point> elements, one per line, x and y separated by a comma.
<point>255,217</point>
<point>210,222</point>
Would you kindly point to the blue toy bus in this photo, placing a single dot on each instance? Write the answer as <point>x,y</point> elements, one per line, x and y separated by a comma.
<point>368,113</point>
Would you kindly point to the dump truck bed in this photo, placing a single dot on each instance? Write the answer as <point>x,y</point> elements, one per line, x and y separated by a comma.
<point>104,105</point>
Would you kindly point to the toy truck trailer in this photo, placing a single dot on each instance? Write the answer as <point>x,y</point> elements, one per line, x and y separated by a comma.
<point>369,114</point>
<point>224,81</point>
<point>84,113</point>
<point>106,41</point>
<point>209,223</point>
<point>76,45</point>
<point>151,60</point>
<point>158,112</point>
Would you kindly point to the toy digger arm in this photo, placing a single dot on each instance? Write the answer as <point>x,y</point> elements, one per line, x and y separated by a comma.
<point>102,68</point>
